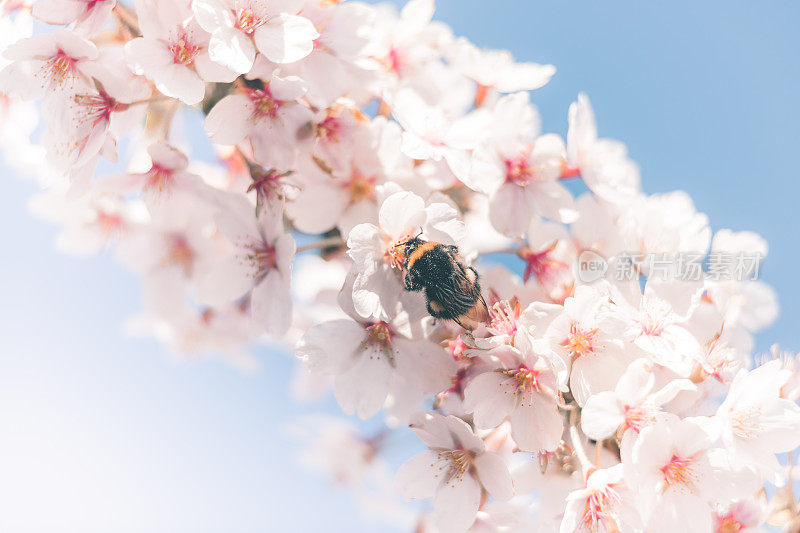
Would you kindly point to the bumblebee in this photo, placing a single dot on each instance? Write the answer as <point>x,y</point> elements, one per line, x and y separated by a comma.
<point>452,290</point>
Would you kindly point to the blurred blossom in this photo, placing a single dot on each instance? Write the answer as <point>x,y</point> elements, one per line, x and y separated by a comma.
<point>608,384</point>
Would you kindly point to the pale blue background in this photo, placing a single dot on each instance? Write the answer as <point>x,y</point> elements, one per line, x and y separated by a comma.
<point>99,433</point>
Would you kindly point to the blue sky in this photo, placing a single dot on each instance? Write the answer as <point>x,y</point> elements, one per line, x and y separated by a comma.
<point>101,433</point>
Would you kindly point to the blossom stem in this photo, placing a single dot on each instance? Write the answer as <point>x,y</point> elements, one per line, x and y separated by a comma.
<point>570,172</point>
<point>322,243</point>
<point>790,465</point>
<point>597,447</point>
<point>170,115</point>
<point>577,445</point>
<point>154,100</point>
<point>384,110</point>
<point>127,19</point>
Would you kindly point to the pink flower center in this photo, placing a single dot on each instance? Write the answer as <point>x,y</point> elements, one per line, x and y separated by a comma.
<point>456,347</point>
<point>60,67</point>
<point>580,342</point>
<point>394,61</point>
<point>379,334</point>
<point>267,184</point>
<point>180,254</point>
<point>652,328</point>
<point>394,251</point>
<point>456,463</point>
<point>98,107</point>
<point>183,50</point>
<point>13,5</point>
<point>265,105</point>
<point>249,17</point>
<point>728,524</point>
<point>636,418</point>
<point>108,222</point>
<point>597,512</point>
<point>262,257</point>
<point>745,423</point>
<point>328,130</point>
<point>679,472</point>
<point>541,264</point>
<point>526,380</point>
<point>158,178</point>
<point>653,320</point>
<point>519,170</point>
<point>503,318</point>
<point>360,187</point>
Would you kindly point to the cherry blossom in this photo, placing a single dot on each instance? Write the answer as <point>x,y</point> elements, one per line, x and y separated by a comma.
<point>429,134</point>
<point>239,27</point>
<point>91,223</point>
<point>259,166</point>
<point>52,63</point>
<point>258,265</point>
<point>584,336</point>
<point>496,69</point>
<point>366,356</point>
<point>174,51</point>
<point>404,44</point>
<point>452,471</point>
<point>520,171</point>
<point>268,113</point>
<point>89,16</point>
<point>632,405</point>
<point>675,476</point>
<point>755,419</point>
<point>606,504</point>
<point>653,321</point>
<point>344,193</point>
<point>524,389</point>
<point>335,66</point>
<point>602,163</point>
<point>744,516</point>
<point>167,173</point>
<point>86,124</point>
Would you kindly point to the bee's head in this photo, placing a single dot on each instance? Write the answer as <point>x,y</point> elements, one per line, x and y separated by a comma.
<point>407,247</point>
<point>412,244</point>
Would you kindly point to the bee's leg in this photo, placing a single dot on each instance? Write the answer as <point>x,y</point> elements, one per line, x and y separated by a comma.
<point>457,321</point>
<point>466,322</point>
<point>469,339</point>
<point>434,308</point>
<point>483,315</point>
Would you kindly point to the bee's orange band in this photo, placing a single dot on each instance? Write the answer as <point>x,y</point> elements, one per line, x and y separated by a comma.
<point>421,249</point>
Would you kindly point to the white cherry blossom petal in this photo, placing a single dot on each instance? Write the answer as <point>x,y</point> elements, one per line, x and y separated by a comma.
<point>286,38</point>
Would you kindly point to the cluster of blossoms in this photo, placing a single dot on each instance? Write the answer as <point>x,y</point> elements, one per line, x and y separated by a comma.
<point>611,405</point>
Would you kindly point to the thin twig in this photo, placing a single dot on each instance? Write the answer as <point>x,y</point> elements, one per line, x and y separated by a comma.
<point>513,251</point>
<point>322,243</point>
